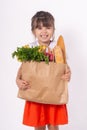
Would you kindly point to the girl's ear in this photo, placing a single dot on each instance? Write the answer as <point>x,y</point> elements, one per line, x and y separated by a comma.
<point>34,33</point>
<point>53,37</point>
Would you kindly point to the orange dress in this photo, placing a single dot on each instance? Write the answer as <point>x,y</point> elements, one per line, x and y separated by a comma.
<point>37,114</point>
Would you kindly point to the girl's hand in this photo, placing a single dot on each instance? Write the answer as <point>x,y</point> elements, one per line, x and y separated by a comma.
<point>22,84</point>
<point>67,75</point>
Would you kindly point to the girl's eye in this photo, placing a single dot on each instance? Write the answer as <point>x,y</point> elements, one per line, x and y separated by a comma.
<point>39,28</point>
<point>45,27</point>
<point>48,27</point>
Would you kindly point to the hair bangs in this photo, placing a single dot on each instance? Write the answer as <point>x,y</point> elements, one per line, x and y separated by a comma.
<point>44,23</point>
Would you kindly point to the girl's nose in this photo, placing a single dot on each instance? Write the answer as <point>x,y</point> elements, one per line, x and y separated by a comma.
<point>44,29</point>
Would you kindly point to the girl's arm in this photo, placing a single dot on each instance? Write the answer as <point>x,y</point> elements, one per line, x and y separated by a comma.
<point>21,83</point>
<point>67,75</point>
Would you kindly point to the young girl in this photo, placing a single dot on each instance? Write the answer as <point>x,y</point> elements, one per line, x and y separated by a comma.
<point>36,114</point>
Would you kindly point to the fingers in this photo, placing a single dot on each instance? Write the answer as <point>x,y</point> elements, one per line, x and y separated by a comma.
<point>66,77</point>
<point>23,84</point>
<point>68,70</point>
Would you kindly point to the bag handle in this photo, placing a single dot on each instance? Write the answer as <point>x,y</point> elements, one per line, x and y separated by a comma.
<point>60,42</point>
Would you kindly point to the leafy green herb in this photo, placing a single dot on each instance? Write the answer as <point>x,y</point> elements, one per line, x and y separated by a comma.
<point>24,54</point>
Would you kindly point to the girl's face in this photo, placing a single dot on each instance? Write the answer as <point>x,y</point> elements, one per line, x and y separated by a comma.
<point>44,34</point>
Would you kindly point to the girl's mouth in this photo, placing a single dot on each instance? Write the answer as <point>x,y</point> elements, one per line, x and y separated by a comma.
<point>44,36</point>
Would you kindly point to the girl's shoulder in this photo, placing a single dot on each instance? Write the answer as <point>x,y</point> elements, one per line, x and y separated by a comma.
<point>33,44</point>
<point>52,44</point>
<point>59,42</point>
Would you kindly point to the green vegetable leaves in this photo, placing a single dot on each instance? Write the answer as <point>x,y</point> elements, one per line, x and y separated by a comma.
<point>30,54</point>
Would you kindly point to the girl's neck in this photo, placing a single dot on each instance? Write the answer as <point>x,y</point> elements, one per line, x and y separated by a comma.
<point>43,43</point>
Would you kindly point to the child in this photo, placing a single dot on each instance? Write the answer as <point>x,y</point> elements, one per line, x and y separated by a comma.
<point>36,114</point>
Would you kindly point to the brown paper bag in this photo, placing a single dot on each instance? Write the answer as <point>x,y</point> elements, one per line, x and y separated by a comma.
<point>45,81</point>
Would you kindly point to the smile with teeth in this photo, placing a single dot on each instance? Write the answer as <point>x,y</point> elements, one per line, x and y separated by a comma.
<point>44,36</point>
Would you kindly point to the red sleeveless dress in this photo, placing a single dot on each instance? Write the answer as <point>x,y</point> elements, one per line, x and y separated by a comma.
<point>37,114</point>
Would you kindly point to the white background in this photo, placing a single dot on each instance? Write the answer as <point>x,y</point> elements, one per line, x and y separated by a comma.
<point>15,30</point>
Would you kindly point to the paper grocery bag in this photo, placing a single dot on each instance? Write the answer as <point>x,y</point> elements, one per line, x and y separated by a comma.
<point>46,85</point>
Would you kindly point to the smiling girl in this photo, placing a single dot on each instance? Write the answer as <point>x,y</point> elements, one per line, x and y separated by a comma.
<point>36,114</point>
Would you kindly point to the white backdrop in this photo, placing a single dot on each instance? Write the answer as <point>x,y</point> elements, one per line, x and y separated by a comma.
<point>15,30</point>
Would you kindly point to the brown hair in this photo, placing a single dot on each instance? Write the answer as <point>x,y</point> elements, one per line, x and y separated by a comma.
<point>42,18</point>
